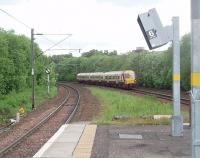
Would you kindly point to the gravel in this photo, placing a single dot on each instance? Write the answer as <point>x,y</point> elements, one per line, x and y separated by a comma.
<point>89,105</point>
<point>31,119</point>
<point>29,146</point>
<point>88,108</point>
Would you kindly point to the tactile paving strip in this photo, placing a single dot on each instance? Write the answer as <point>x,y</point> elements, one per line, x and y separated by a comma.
<point>84,147</point>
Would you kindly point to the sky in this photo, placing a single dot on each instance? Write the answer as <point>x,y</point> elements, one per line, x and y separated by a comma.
<point>94,24</point>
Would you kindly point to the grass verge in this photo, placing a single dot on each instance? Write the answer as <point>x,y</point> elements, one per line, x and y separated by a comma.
<point>9,104</point>
<point>131,109</point>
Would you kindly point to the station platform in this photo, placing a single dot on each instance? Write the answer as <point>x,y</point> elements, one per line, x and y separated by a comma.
<point>82,140</point>
<point>70,141</point>
<point>140,141</point>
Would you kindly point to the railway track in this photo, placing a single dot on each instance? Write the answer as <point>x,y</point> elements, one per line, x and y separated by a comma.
<point>184,101</point>
<point>64,113</point>
<point>5,128</point>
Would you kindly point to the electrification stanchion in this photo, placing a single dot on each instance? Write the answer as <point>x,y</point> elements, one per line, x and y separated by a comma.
<point>156,36</point>
<point>33,68</point>
<point>177,120</point>
<point>48,80</point>
<point>195,77</point>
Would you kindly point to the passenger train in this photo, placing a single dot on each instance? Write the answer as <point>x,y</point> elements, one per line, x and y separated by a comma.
<point>122,79</point>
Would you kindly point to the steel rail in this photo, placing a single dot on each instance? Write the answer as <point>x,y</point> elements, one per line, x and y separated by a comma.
<point>5,128</point>
<point>184,101</point>
<point>76,105</point>
<point>29,132</point>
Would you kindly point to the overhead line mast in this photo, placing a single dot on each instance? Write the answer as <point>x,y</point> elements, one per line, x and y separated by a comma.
<point>195,77</point>
<point>33,50</point>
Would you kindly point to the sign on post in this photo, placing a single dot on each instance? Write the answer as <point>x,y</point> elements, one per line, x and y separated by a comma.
<point>47,71</point>
<point>156,36</point>
<point>154,33</point>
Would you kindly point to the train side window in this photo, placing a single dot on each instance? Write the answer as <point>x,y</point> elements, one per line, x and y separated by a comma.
<point>126,75</point>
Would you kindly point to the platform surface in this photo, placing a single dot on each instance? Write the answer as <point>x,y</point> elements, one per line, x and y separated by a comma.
<point>69,141</point>
<point>140,142</point>
<point>85,141</point>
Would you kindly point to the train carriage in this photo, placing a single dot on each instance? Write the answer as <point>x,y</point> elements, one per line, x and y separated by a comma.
<point>123,79</point>
<point>83,77</point>
<point>114,78</point>
<point>97,77</point>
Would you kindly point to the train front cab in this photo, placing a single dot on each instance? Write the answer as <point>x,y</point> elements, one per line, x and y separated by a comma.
<point>129,79</point>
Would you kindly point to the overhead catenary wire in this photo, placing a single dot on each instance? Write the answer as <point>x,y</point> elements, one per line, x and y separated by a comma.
<point>32,50</point>
<point>37,33</point>
<point>16,19</point>
<point>65,49</point>
<point>57,43</point>
<point>27,26</point>
<point>53,46</point>
<point>44,36</point>
<point>49,34</point>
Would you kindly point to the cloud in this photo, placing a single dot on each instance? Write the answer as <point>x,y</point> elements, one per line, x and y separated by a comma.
<point>11,2</point>
<point>129,3</point>
<point>95,24</point>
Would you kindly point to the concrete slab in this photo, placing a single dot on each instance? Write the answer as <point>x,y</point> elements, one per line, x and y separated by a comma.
<point>60,150</point>
<point>156,143</point>
<point>63,143</point>
<point>130,136</point>
<point>68,137</point>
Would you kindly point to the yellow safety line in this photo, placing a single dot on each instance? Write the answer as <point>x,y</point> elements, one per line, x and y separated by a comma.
<point>195,79</point>
<point>176,77</point>
<point>84,147</point>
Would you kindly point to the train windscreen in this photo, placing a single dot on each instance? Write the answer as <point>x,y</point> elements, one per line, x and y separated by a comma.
<point>131,75</point>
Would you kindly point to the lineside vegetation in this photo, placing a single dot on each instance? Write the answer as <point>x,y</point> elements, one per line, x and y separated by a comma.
<point>10,104</point>
<point>153,69</point>
<point>15,73</point>
<point>15,63</point>
<point>121,108</point>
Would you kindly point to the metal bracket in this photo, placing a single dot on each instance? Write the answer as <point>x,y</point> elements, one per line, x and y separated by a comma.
<point>197,143</point>
<point>193,97</point>
<point>169,32</point>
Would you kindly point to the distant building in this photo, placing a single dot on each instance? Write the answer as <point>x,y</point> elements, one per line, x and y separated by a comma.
<point>139,49</point>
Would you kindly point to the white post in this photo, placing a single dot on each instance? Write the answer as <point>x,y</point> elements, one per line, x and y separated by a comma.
<point>177,119</point>
<point>48,84</point>
<point>195,77</point>
<point>18,117</point>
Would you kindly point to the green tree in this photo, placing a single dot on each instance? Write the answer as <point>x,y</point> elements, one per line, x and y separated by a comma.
<point>153,69</point>
<point>15,67</point>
